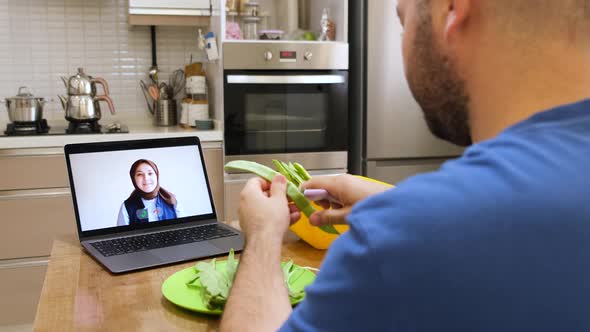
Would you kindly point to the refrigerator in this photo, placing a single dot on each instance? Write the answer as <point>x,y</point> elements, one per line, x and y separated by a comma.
<point>392,140</point>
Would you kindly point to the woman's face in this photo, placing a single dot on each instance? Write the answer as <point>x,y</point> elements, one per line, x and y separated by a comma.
<point>145,178</point>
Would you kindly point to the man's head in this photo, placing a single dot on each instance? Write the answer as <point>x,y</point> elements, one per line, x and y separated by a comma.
<point>444,42</point>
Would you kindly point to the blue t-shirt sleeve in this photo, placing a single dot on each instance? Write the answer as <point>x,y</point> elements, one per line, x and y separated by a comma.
<point>345,286</point>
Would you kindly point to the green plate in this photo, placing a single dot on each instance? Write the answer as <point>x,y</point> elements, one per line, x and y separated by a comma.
<point>176,291</point>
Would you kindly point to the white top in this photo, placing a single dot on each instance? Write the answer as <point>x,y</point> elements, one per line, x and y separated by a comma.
<point>150,205</point>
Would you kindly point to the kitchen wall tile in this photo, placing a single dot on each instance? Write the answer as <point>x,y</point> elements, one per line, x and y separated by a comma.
<point>41,40</point>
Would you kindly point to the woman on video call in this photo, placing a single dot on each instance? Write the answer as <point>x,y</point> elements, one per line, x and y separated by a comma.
<point>148,202</point>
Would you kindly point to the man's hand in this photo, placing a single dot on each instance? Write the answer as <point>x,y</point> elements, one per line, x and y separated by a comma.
<point>264,209</point>
<point>347,189</point>
<point>259,299</point>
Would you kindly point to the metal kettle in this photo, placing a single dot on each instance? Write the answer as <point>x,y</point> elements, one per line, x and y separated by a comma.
<point>82,84</point>
<point>82,103</point>
<point>84,108</point>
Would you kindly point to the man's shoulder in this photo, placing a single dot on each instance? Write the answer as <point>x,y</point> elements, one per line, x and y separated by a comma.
<point>498,180</point>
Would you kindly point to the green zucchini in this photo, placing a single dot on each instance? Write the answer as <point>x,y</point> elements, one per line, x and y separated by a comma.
<point>293,192</point>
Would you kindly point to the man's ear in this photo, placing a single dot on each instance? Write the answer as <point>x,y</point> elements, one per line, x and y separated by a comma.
<point>458,13</point>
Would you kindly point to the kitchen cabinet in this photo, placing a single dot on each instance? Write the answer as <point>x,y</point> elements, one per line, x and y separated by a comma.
<point>171,12</point>
<point>37,207</point>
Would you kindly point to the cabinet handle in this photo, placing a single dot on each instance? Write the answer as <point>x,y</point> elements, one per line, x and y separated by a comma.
<point>33,152</point>
<point>34,193</point>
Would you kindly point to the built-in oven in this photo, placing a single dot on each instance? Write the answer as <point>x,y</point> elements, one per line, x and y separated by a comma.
<point>287,101</point>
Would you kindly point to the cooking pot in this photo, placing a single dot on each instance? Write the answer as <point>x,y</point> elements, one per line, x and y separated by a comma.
<point>24,107</point>
<point>84,108</point>
<point>82,84</point>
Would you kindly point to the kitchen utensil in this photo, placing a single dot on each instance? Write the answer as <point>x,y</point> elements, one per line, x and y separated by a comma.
<point>24,107</point>
<point>84,108</point>
<point>165,92</point>
<point>154,92</point>
<point>319,195</point>
<point>146,93</point>
<point>82,84</point>
<point>165,113</point>
<point>153,72</point>
<point>177,82</point>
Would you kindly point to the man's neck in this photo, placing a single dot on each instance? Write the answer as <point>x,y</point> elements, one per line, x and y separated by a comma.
<point>508,93</point>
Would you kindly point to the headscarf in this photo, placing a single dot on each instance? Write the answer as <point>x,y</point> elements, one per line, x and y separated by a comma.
<point>167,196</point>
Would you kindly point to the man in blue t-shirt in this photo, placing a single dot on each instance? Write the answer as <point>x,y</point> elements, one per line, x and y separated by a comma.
<point>497,240</point>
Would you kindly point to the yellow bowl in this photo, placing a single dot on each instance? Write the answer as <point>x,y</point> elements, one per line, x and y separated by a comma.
<point>313,235</point>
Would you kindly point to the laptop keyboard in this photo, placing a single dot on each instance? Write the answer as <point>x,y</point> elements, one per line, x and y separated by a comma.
<point>143,242</point>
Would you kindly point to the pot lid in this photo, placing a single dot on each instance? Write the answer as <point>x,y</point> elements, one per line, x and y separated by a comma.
<point>24,93</point>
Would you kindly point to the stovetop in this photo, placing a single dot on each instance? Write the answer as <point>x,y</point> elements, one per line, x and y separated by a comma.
<point>41,128</point>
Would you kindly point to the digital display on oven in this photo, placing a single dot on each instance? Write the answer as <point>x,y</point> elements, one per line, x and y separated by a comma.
<point>287,56</point>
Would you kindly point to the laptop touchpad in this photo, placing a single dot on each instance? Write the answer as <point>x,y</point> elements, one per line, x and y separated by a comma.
<point>186,251</point>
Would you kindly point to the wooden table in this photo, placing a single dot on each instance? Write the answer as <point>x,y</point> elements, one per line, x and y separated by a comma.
<point>80,295</point>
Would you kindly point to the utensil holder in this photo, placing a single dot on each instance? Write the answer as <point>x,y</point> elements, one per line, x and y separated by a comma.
<point>165,113</point>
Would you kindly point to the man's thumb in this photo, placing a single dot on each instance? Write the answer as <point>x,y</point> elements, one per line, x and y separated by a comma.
<point>278,186</point>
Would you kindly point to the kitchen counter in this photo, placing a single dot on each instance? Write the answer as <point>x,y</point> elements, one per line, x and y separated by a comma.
<point>78,294</point>
<point>136,131</point>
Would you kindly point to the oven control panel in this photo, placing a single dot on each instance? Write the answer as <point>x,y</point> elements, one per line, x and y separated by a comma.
<point>279,55</point>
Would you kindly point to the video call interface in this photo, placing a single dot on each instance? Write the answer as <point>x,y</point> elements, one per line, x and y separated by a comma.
<point>133,187</point>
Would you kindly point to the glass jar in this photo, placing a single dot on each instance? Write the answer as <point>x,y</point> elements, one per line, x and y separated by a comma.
<point>251,27</point>
<point>251,8</point>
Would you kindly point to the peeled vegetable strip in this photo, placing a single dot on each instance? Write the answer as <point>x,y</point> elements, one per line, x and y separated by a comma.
<point>268,174</point>
<point>281,169</point>
<point>302,172</point>
<point>295,175</point>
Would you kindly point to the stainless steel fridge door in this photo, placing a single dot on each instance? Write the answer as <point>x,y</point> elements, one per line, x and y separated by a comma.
<point>395,171</point>
<point>395,124</point>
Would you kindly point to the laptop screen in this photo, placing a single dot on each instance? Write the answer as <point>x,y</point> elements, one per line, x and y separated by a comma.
<point>139,186</point>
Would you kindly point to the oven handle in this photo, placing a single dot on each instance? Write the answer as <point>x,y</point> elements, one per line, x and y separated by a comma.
<point>287,79</point>
<point>286,131</point>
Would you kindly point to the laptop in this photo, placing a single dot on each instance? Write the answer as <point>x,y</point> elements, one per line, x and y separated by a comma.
<point>145,203</point>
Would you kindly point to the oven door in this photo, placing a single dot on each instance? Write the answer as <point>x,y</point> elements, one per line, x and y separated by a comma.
<point>279,112</point>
